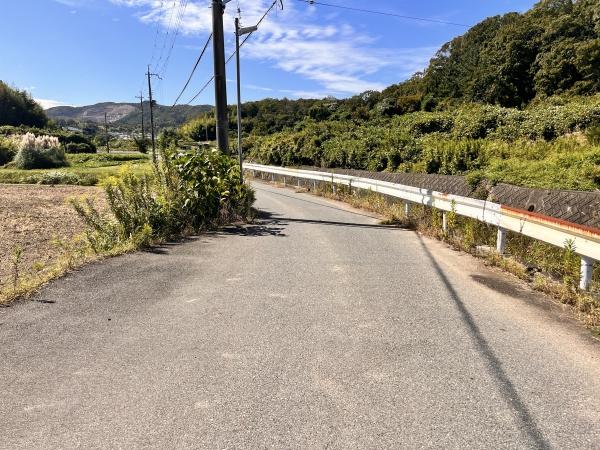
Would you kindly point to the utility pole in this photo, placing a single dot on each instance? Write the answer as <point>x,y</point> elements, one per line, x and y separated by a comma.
<point>239,32</point>
<point>151,112</point>
<point>141,97</point>
<point>218,7</point>
<point>106,133</point>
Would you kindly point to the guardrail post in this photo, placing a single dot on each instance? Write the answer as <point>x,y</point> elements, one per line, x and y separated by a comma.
<point>315,185</point>
<point>284,181</point>
<point>587,267</point>
<point>501,240</point>
<point>273,177</point>
<point>406,209</point>
<point>298,181</point>
<point>445,222</point>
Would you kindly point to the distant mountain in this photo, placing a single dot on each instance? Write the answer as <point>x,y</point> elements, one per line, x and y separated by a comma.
<point>127,115</point>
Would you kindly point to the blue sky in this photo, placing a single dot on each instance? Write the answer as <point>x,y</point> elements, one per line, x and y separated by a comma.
<point>79,52</point>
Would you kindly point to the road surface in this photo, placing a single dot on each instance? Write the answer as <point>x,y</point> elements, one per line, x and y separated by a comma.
<point>315,328</point>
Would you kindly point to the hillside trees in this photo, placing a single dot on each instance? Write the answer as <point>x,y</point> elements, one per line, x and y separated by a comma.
<point>18,108</point>
<point>508,60</point>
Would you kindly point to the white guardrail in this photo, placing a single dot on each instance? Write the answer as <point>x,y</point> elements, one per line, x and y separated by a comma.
<point>586,240</point>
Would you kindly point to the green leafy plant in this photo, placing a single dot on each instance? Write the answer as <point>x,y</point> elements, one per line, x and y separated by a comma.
<point>570,264</point>
<point>8,150</point>
<point>16,264</point>
<point>187,191</point>
<point>80,147</point>
<point>593,134</point>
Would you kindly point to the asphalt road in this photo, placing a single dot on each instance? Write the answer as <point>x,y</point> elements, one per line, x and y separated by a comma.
<point>316,328</point>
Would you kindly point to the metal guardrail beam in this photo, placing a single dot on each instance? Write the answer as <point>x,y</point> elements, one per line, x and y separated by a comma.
<point>585,240</point>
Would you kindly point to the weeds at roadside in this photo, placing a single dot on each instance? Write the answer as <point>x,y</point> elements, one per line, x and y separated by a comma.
<point>23,283</point>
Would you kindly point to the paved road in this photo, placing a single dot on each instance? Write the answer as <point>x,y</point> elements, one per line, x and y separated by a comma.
<point>317,328</point>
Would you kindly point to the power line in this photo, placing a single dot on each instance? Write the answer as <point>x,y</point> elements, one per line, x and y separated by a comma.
<point>252,32</point>
<point>180,14</point>
<point>169,30</point>
<point>161,7</point>
<point>383,13</point>
<point>202,89</point>
<point>233,54</point>
<point>193,70</point>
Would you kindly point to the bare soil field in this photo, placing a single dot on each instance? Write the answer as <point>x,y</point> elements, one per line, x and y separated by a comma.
<point>33,218</point>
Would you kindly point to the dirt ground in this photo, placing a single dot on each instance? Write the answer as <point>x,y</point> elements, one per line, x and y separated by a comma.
<point>32,217</point>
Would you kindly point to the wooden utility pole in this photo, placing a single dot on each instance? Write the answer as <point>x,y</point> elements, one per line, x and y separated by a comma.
<point>106,133</point>
<point>141,97</point>
<point>151,112</point>
<point>221,112</point>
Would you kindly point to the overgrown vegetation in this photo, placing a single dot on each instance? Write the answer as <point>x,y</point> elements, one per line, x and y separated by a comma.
<point>534,147</point>
<point>188,191</point>
<point>39,152</point>
<point>25,281</point>
<point>8,150</point>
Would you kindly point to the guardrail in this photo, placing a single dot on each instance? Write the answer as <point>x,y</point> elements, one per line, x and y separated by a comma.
<point>585,240</point>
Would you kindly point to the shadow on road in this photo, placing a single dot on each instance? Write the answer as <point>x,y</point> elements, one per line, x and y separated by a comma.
<point>527,423</point>
<point>163,248</point>
<point>304,200</point>
<point>343,224</point>
<point>265,224</point>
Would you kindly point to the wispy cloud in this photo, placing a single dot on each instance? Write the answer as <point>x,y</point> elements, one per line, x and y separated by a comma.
<point>339,58</point>
<point>303,94</point>
<point>46,103</point>
<point>74,3</point>
<point>258,88</point>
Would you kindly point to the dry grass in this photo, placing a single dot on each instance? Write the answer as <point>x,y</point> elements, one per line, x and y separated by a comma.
<point>40,235</point>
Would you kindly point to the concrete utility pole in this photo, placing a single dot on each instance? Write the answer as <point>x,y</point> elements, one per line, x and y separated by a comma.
<point>106,133</point>
<point>218,7</point>
<point>239,32</point>
<point>141,97</point>
<point>151,113</point>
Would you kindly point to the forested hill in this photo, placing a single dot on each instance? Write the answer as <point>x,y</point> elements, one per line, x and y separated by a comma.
<point>509,60</point>
<point>18,108</point>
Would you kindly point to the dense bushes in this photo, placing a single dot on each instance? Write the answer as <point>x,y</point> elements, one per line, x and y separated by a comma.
<point>188,190</point>
<point>41,152</point>
<point>82,147</point>
<point>8,150</point>
<point>501,144</point>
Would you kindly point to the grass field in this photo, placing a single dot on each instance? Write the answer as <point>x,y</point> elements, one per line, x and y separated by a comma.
<point>83,169</point>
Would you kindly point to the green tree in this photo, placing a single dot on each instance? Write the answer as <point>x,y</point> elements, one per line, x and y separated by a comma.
<point>18,108</point>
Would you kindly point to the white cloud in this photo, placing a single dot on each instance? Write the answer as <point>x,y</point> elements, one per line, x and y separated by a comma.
<point>258,88</point>
<point>304,94</point>
<point>335,55</point>
<point>73,3</point>
<point>46,103</point>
